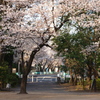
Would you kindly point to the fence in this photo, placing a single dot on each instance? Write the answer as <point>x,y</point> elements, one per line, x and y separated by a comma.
<point>31,78</point>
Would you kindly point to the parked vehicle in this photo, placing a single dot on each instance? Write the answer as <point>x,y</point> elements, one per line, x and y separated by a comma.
<point>63,77</point>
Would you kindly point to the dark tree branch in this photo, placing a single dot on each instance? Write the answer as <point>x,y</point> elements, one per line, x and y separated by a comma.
<point>47,45</point>
<point>66,19</point>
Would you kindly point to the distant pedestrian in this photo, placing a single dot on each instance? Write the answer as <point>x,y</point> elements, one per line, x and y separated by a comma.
<point>8,86</point>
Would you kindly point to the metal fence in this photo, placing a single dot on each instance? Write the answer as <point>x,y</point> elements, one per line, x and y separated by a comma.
<point>32,78</point>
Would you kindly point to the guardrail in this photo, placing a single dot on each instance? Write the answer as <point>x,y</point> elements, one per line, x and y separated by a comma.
<point>37,79</point>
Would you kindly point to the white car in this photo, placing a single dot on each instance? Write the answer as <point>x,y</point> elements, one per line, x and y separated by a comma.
<point>62,76</point>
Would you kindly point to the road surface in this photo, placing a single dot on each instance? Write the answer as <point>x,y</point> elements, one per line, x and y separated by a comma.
<point>48,90</point>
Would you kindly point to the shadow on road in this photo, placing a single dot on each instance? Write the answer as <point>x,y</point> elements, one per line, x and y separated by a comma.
<point>45,87</point>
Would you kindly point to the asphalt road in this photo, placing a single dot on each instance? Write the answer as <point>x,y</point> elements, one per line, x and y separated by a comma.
<point>48,90</point>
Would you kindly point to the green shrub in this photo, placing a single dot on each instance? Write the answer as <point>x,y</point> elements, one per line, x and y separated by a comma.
<point>3,73</point>
<point>13,79</point>
<point>6,77</point>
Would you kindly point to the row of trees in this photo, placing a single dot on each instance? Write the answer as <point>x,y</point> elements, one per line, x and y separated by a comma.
<point>29,25</point>
<point>80,51</point>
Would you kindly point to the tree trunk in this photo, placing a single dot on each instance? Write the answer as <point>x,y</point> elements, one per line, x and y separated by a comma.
<point>23,85</point>
<point>93,86</point>
<point>89,72</point>
<point>83,84</point>
<point>75,80</point>
<point>72,80</point>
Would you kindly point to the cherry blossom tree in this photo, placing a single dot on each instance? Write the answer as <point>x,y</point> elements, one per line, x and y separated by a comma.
<point>28,25</point>
<point>43,58</point>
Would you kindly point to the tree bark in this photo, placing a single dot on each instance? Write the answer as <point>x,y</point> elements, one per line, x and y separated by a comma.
<point>72,80</point>
<point>75,80</point>
<point>24,77</point>
<point>93,86</point>
<point>23,85</point>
